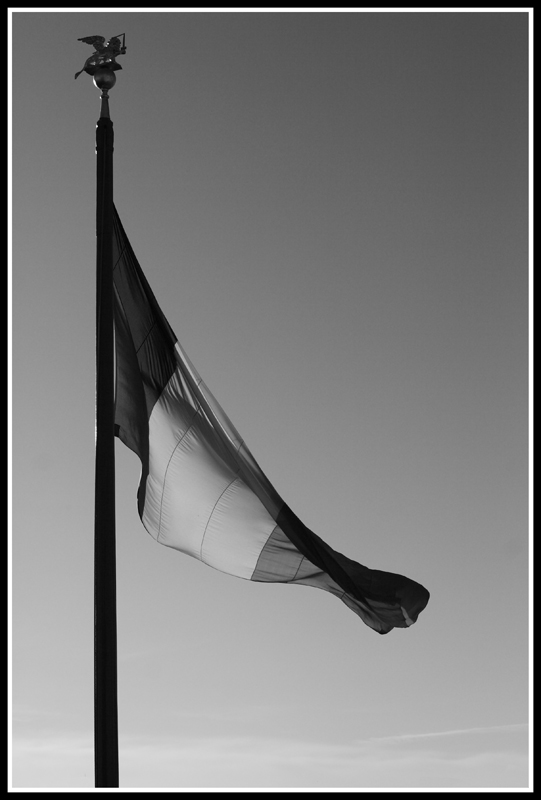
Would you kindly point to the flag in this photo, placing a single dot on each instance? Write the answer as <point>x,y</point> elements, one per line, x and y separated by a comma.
<point>201,490</point>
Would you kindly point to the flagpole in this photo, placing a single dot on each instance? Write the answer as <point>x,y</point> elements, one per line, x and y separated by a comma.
<point>105,634</point>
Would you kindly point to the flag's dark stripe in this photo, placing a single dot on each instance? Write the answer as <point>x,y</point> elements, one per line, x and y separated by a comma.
<point>323,556</point>
<point>145,351</point>
<point>281,561</point>
<point>366,585</point>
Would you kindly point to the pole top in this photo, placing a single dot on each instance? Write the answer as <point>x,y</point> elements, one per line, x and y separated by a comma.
<point>104,55</point>
<point>102,65</point>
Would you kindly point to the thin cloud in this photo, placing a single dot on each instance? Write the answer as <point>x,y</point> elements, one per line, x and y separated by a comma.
<point>518,727</point>
<point>231,762</point>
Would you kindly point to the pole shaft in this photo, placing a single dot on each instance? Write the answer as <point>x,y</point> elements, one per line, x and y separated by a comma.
<point>105,637</point>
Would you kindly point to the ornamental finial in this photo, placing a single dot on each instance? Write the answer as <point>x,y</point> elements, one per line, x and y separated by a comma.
<point>105,53</point>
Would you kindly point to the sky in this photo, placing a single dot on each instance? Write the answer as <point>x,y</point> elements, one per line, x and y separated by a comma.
<point>332,210</point>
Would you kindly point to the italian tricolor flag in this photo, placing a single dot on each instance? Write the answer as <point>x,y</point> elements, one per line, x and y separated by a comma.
<point>201,490</point>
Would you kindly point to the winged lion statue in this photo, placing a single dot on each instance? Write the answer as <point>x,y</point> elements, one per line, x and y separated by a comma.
<point>104,55</point>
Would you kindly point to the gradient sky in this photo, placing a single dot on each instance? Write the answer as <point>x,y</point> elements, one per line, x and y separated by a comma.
<point>332,210</point>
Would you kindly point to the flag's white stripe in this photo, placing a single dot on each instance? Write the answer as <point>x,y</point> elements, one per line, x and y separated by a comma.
<point>252,474</point>
<point>195,501</point>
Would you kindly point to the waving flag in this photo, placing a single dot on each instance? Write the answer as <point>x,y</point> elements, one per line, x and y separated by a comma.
<point>201,490</point>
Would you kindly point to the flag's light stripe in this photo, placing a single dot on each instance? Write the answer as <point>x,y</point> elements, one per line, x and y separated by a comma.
<point>195,502</point>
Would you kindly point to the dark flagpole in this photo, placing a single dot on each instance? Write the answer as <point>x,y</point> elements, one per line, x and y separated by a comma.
<point>105,636</point>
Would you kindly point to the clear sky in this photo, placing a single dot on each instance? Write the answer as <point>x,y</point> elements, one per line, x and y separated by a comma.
<point>332,210</point>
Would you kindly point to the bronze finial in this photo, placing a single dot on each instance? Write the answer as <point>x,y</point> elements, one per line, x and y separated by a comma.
<point>104,55</point>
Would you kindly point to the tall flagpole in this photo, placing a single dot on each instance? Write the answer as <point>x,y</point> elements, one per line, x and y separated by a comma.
<point>102,66</point>
<point>105,635</point>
